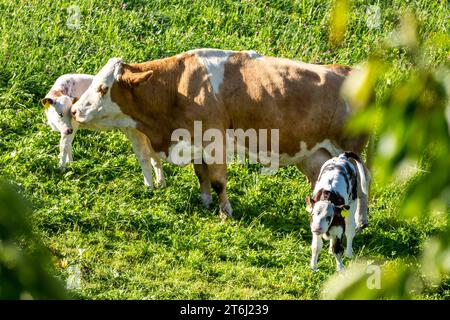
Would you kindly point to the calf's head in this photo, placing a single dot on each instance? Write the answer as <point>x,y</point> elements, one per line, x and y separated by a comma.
<point>96,104</point>
<point>57,110</point>
<point>322,214</point>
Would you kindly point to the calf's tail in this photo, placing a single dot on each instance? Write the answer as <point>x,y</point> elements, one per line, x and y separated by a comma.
<point>361,170</point>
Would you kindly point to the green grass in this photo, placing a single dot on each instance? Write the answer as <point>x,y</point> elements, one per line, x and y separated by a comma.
<point>163,245</point>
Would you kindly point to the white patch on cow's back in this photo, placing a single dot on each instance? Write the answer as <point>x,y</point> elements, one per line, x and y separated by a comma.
<point>214,60</point>
<point>214,63</point>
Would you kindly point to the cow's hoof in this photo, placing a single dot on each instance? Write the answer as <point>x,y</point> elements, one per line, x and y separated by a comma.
<point>225,211</point>
<point>148,184</point>
<point>361,227</point>
<point>206,200</point>
<point>223,216</point>
<point>314,268</point>
<point>349,255</point>
<point>161,184</point>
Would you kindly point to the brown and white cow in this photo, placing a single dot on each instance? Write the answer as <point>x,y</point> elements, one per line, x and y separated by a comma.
<point>227,90</point>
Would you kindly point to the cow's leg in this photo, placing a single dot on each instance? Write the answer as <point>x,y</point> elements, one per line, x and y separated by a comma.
<point>140,148</point>
<point>201,170</point>
<point>65,149</point>
<point>312,164</point>
<point>156,164</point>
<point>338,250</point>
<point>217,174</point>
<point>355,144</point>
<point>350,229</point>
<point>316,247</point>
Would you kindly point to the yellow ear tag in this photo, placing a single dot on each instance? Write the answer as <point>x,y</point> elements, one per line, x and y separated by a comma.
<point>344,213</point>
<point>47,105</point>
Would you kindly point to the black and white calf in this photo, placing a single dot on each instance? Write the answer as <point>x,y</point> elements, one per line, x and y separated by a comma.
<point>335,206</point>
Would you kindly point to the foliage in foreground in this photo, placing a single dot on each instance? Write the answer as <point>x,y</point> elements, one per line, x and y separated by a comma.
<point>413,125</point>
<point>23,273</point>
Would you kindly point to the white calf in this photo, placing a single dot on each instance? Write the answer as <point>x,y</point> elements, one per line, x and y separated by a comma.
<point>58,102</point>
<point>336,191</point>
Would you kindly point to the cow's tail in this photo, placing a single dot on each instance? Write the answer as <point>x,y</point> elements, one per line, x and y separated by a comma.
<point>361,170</point>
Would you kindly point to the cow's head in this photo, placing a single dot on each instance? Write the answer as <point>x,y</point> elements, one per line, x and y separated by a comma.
<point>96,103</point>
<point>57,109</point>
<point>322,214</point>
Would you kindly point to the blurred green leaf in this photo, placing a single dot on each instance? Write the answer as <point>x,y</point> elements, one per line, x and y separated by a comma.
<point>339,21</point>
<point>24,263</point>
<point>364,281</point>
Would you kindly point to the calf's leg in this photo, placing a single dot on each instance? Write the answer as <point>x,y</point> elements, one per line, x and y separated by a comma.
<point>332,241</point>
<point>65,149</point>
<point>338,250</point>
<point>316,247</point>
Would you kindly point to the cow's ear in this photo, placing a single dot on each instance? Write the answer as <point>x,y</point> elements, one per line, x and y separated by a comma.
<point>309,204</point>
<point>47,102</point>
<point>74,100</point>
<point>134,78</point>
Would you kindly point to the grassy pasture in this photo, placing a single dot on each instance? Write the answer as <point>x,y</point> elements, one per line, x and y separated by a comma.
<point>130,243</point>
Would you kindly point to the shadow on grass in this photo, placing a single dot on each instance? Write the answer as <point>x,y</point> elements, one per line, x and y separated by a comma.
<point>391,237</point>
<point>294,219</point>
